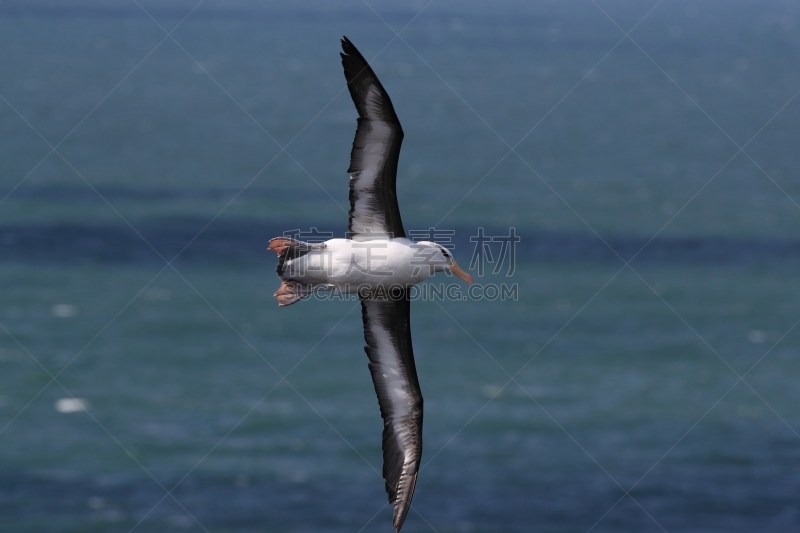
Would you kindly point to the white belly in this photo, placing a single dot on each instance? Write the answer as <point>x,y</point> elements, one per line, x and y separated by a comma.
<point>346,265</point>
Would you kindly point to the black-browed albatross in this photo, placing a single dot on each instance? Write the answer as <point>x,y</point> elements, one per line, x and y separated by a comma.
<point>377,262</point>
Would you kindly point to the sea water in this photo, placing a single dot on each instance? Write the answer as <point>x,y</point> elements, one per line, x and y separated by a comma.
<point>641,378</point>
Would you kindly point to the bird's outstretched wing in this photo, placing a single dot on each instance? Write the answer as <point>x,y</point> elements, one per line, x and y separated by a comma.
<point>391,362</point>
<point>374,213</point>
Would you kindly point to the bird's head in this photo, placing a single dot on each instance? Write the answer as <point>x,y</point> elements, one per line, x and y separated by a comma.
<point>442,260</point>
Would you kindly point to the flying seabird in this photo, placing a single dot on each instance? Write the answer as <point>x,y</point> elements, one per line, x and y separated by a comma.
<point>380,264</point>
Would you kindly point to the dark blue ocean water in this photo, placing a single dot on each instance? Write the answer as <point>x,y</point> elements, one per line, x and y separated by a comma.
<point>652,341</point>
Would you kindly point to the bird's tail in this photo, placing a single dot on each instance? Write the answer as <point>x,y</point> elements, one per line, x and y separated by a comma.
<point>291,291</point>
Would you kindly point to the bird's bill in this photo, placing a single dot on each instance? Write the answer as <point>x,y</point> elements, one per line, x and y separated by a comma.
<point>455,269</point>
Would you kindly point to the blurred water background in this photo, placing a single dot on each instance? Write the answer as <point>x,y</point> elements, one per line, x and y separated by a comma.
<point>628,377</point>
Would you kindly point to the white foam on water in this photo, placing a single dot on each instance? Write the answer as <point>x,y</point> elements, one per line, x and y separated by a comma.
<point>64,310</point>
<point>71,405</point>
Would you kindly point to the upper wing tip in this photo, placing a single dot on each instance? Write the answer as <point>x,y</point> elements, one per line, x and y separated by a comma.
<point>352,60</point>
<point>347,45</point>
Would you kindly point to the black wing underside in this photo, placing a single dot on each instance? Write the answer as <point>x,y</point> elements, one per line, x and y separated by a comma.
<point>374,212</point>
<point>391,361</point>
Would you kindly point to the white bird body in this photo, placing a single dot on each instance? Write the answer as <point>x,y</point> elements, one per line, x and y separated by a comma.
<point>348,266</point>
